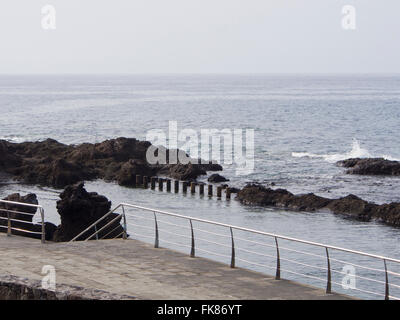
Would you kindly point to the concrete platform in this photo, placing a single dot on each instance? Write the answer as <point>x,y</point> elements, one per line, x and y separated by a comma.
<point>138,270</point>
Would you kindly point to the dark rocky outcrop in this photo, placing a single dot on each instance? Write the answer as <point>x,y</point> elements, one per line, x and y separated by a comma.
<point>127,174</point>
<point>17,288</point>
<point>186,172</point>
<point>57,165</point>
<point>371,166</point>
<point>217,178</point>
<point>79,209</point>
<point>21,217</point>
<point>351,205</point>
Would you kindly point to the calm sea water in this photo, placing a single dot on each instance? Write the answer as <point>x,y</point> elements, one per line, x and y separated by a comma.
<point>303,124</point>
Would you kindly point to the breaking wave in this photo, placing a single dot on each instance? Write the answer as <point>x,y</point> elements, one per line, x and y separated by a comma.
<point>356,152</point>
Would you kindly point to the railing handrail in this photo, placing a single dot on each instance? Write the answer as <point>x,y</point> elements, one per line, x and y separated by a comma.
<point>30,205</point>
<point>329,269</point>
<point>262,233</point>
<point>94,224</point>
<point>22,204</point>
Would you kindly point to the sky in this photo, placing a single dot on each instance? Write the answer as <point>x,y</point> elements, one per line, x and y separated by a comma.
<point>207,36</point>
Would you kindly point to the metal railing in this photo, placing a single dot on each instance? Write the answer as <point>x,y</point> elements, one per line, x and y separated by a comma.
<point>97,231</point>
<point>10,228</point>
<point>232,248</point>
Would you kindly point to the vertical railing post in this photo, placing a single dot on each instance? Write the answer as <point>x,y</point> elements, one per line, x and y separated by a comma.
<point>233,251</point>
<point>156,242</point>
<point>43,225</point>
<point>192,251</point>
<point>278,261</point>
<point>125,234</point>
<point>8,222</point>
<point>95,230</point>
<point>386,281</point>
<point>329,280</point>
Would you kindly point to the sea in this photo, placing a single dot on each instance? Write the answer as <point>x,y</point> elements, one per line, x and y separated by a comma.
<point>303,125</point>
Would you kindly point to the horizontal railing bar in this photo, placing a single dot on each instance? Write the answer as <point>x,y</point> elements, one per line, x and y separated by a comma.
<point>285,259</point>
<point>308,276</point>
<point>214,253</point>
<point>110,232</point>
<point>288,260</point>
<point>177,244</point>
<point>367,268</point>
<point>173,224</point>
<point>316,267</point>
<point>95,223</point>
<point>337,260</point>
<point>213,233</point>
<point>140,225</point>
<point>142,235</point>
<point>367,291</point>
<point>18,212</point>
<point>257,253</point>
<point>21,204</point>
<point>103,227</point>
<point>209,241</point>
<point>316,244</point>
<point>174,234</point>
<point>139,217</point>
<point>257,264</point>
<point>357,265</point>
<point>119,235</point>
<point>256,242</point>
<point>260,254</point>
<point>265,233</point>
<point>270,256</point>
<point>16,220</point>
<point>158,220</point>
<point>21,230</point>
<point>369,279</point>
<point>285,270</point>
<point>164,231</point>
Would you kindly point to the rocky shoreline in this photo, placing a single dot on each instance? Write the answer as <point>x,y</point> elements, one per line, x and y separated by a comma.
<point>370,166</point>
<point>54,164</point>
<point>350,206</point>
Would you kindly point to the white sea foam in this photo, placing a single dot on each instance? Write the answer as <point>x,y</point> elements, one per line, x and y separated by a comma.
<point>16,138</point>
<point>356,152</point>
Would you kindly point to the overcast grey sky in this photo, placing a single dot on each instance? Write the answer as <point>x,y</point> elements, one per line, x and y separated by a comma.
<point>199,36</point>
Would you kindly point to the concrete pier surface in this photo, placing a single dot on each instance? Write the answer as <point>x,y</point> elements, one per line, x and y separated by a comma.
<point>136,269</point>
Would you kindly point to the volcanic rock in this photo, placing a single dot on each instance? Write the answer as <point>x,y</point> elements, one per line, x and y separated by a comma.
<point>54,164</point>
<point>371,166</point>
<point>79,209</point>
<point>217,178</point>
<point>350,206</point>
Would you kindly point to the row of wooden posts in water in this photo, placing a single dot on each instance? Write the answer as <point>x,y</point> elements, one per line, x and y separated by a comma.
<point>143,181</point>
